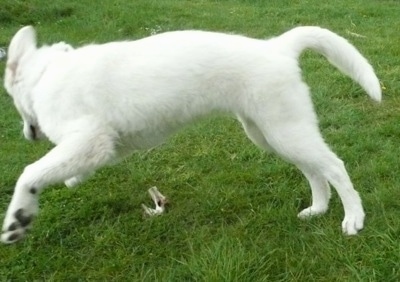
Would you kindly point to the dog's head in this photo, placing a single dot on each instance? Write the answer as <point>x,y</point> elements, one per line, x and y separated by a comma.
<point>25,65</point>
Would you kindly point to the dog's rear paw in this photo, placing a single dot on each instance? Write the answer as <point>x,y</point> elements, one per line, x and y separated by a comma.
<point>72,182</point>
<point>311,211</point>
<point>353,223</point>
<point>76,180</point>
<point>16,229</point>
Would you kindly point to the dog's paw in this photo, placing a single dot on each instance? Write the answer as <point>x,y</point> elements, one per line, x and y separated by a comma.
<point>15,228</point>
<point>311,211</point>
<point>72,182</point>
<point>353,223</point>
<point>76,180</point>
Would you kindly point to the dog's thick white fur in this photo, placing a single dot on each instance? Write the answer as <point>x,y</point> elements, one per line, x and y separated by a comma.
<point>97,103</point>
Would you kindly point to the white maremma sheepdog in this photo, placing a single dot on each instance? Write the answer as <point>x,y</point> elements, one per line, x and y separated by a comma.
<point>98,103</point>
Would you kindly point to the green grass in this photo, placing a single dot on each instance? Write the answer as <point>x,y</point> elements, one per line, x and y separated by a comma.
<point>233,208</point>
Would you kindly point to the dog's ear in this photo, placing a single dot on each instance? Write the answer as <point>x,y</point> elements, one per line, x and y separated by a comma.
<point>24,41</point>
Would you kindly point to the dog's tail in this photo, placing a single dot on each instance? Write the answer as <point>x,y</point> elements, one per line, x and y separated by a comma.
<point>337,50</point>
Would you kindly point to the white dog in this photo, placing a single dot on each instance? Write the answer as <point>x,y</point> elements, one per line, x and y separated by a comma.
<point>97,103</point>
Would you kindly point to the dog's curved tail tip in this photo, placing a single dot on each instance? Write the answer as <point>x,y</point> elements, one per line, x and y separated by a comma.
<point>374,90</point>
<point>337,50</point>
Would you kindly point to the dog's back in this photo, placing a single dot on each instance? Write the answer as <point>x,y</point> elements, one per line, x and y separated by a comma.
<point>164,80</point>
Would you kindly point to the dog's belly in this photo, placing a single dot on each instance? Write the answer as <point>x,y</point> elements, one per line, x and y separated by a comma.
<point>139,141</point>
<point>144,139</point>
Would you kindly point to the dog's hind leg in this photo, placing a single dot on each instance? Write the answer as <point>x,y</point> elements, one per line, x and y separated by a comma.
<point>319,185</point>
<point>301,143</point>
<point>81,153</point>
<point>288,122</point>
<point>321,193</point>
<point>254,133</point>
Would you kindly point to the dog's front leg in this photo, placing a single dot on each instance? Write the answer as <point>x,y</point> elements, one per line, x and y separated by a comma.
<point>82,154</point>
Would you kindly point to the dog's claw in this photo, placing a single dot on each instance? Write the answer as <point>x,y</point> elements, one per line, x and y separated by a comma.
<point>159,200</point>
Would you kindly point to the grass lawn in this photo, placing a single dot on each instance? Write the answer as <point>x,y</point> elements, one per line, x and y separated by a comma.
<point>233,208</point>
